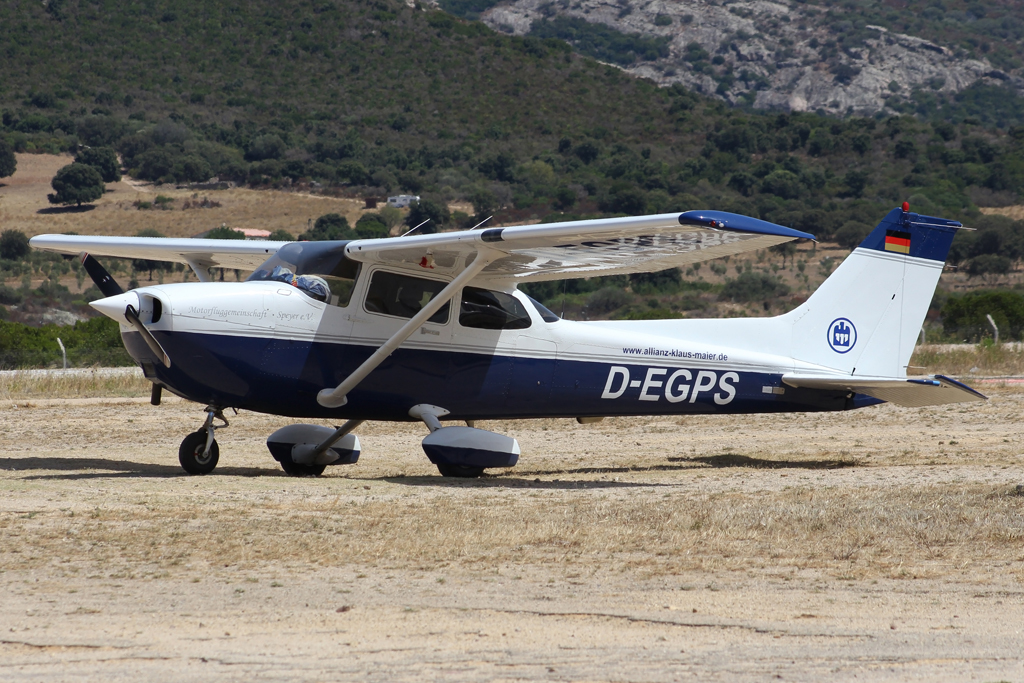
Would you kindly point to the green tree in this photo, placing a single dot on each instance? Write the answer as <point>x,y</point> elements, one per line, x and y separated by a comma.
<point>371,226</point>
<point>964,316</point>
<point>224,233</point>
<point>751,286</point>
<point>330,226</point>
<point>434,210</point>
<point>390,216</point>
<point>13,245</point>
<point>281,235</point>
<point>104,160</point>
<point>76,183</point>
<point>8,162</point>
<point>852,234</point>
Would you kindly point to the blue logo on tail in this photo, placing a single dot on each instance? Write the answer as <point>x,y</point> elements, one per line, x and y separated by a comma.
<point>842,335</point>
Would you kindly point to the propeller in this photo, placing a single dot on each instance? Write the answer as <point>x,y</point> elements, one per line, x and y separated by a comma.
<point>132,315</point>
<point>100,276</point>
<point>109,287</point>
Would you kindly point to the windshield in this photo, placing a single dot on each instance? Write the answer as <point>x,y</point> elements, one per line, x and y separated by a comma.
<point>545,314</point>
<point>318,269</point>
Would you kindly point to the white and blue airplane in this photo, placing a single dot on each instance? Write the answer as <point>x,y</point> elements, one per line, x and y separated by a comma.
<point>434,328</point>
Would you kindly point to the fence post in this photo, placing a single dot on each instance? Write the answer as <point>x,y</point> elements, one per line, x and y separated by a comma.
<point>63,352</point>
<point>995,330</point>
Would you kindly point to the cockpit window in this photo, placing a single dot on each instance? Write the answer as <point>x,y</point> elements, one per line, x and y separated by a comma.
<point>545,313</point>
<point>487,310</point>
<point>404,296</point>
<point>318,269</point>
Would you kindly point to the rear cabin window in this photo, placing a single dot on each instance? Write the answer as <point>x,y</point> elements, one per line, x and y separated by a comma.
<point>487,310</point>
<point>403,296</point>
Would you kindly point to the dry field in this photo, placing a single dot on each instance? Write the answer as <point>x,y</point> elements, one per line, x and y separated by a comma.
<point>1014,212</point>
<point>23,206</point>
<point>883,544</point>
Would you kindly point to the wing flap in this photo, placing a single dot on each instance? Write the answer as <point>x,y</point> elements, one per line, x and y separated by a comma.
<point>241,254</point>
<point>911,392</point>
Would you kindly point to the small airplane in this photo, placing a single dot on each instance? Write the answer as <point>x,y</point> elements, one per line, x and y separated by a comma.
<point>434,328</point>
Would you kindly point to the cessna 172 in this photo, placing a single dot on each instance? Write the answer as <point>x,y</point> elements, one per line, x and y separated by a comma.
<point>433,327</point>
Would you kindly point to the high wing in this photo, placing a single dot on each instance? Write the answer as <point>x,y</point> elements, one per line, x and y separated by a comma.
<point>587,248</point>
<point>525,253</point>
<point>198,253</point>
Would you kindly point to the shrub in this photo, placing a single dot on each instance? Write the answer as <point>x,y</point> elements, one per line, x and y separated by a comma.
<point>963,317</point>
<point>661,282</point>
<point>8,162</point>
<point>988,264</point>
<point>607,299</point>
<point>371,226</point>
<point>265,147</point>
<point>224,233</point>
<point>782,184</point>
<point>852,234</point>
<point>13,245</point>
<point>330,226</point>
<point>751,286</point>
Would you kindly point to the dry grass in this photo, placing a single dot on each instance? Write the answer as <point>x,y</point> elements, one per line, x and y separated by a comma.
<point>1014,212</point>
<point>969,359</point>
<point>54,384</point>
<point>24,195</point>
<point>891,532</point>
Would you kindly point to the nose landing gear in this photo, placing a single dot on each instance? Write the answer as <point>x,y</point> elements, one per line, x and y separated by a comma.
<point>199,452</point>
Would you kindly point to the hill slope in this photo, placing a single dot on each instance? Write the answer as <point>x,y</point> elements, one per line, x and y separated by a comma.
<point>857,58</point>
<point>372,96</point>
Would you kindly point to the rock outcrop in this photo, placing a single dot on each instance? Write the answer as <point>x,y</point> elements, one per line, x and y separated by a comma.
<point>774,55</point>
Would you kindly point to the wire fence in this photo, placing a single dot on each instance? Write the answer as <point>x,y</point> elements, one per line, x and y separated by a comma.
<point>78,357</point>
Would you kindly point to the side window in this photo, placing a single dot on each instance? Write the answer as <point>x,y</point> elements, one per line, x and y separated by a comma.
<point>487,310</point>
<point>403,296</point>
<point>341,281</point>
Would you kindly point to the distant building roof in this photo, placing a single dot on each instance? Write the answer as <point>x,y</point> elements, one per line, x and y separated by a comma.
<point>253,233</point>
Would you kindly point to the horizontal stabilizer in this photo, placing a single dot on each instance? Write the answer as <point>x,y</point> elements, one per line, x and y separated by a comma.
<point>913,392</point>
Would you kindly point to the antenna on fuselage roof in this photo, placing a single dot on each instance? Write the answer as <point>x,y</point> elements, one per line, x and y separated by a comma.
<point>481,222</point>
<point>415,229</point>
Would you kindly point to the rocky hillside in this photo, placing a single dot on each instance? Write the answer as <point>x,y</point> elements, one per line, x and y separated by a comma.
<point>773,55</point>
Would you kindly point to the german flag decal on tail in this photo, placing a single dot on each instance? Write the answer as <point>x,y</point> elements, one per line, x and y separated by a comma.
<point>898,241</point>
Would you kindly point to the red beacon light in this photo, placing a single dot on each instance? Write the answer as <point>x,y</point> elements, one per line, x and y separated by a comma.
<point>906,207</point>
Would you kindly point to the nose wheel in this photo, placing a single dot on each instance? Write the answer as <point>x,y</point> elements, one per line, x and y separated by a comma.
<point>199,452</point>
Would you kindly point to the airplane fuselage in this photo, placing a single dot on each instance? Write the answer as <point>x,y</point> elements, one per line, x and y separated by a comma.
<point>268,347</point>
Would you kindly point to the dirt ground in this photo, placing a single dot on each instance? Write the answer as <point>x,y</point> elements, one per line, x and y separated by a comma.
<point>882,544</point>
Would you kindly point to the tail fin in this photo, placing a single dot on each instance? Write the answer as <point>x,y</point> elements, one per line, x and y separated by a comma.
<point>866,317</point>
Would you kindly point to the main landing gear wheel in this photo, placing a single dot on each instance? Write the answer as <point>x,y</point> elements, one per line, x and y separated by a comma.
<point>194,457</point>
<point>298,470</point>
<point>460,471</point>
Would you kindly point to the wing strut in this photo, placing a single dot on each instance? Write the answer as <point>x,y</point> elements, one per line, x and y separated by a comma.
<point>338,396</point>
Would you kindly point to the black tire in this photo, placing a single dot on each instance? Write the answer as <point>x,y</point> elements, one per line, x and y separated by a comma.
<point>294,469</point>
<point>460,471</point>
<point>190,454</point>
